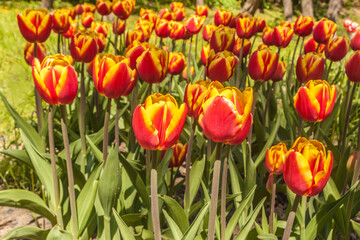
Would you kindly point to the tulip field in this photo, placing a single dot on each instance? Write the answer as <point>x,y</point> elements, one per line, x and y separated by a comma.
<point>179,122</point>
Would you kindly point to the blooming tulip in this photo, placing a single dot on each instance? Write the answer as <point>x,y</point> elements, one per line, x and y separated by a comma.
<point>225,116</point>
<point>113,76</point>
<point>176,5</point>
<point>223,38</point>
<point>280,36</point>
<point>208,31</point>
<point>307,167</point>
<point>221,66</point>
<point>222,17</point>
<point>166,14</point>
<point>315,101</point>
<point>176,63</point>
<point>61,21</point>
<point>194,23</point>
<point>194,96</point>
<point>134,50</point>
<point>29,52</point>
<point>158,122</point>
<point>35,25</point>
<point>100,27</point>
<point>280,72</point>
<point>83,46</point>
<point>324,30</point>
<point>263,64</point>
<point>145,26</point>
<point>352,68</point>
<point>310,67</point>
<point>122,8</point>
<point>179,154</point>
<point>103,7</point>
<point>179,14</point>
<point>237,47</point>
<point>152,65</point>
<point>202,10</point>
<point>336,49</point>
<point>162,28</point>
<point>246,27</point>
<point>87,18</point>
<point>274,161</point>
<point>312,46</point>
<point>88,7</point>
<point>355,41</point>
<point>70,32</point>
<point>303,26</point>
<point>177,30</point>
<point>133,35</point>
<point>260,24</point>
<point>55,79</point>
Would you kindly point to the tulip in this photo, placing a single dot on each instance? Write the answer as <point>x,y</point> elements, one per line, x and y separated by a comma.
<point>280,72</point>
<point>177,30</point>
<point>72,12</point>
<point>310,67</point>
<point>70,32</point>
<point>260,24</point>
<point>267,36</point>
<point>179,154</point>
<point>347,22</point>
<point>158,122</point>
<point>100,27</point>
<point>324,30</point>
<point>355,41</point>
<point>176,5</point>
<point>303,26</point>
<point>88,7</point>
<point>307,167</point>
<point>61,21</point>
<point>315,101</point>
<point>152,65</point>
<point>279,36</point>
<point>79,9</point>
<point>245,27</point>
<point>133,35</point>
<point>35,25</point>
<point>353,27</point>
<point>226,115</point>
<point>122,8</point>
<point>232,23</point>
<point>55,79</point>
<point>350,164</point>
<point>205,54</point>
<point>336,49</point>
<point>179,14</point>
<point>145,26</point>
<point>274,158</point>
<point>286,34</point>
<point>113,76</point>
<point>29,52</point>
<point>221,66</point>
<point>166,14</point>
<point>83,46</point>
<point>194,23</point>
<point>263,64</point>
<point>222,17</point>
<point>352,68</point>
<point>194,96</point>
<point>237,47</point>
<point>185,73</point>
<point>162,28</point>
<point>87,18</point>
<point>101,42</point>
<point>312,46</point>
<point>176,63</point>
<point>208,31</point>
<point>223,38</point>
<point>103,7</point>
<point>202,10</point>
<point>134,50</point>
<point>144,11</point>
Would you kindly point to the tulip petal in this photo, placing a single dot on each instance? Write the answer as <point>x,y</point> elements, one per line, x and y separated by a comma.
<point>116,80</point>
<point>68,86</point>
<point>144,130</point>
<point>174,128</point>
<point>322,177</point>
<point>149,68</point>
<point>306,105</point>
<point>27,29</point>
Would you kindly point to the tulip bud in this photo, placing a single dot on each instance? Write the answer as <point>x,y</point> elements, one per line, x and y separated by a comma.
<point>267,36</point>
<point>220,66</point>
<point>208,31</point>
<point>88,7</point>
<point>120,27</point>
<point>87,18</point>
<point>162,28</point>
<point>202,10</point>
<point>336,49</point>
<point>352,68</point>
<point>269,183</point>
<point>101,42</point>
<point>324,30</point>
<point>70,32</point>
<point>223,38</point>
<point>158,122</point>
<point>205,54</point>
<point>310,67</point>
<point>245,27</point>
<point>311,46</point>
<point>194,23</point>
<point>152,65</point>
<point>274,158</point>
<point>176,63</point>
<point>79,9</point>
<point>350,164</point>
<point>280,71</point>
<point>133,35</point>
<point>103,7</point>
<point>179,14</point>
<point>146,27</point>
<point>83,46</point>
<point>263,64</point>
<point>303,26</point>
<point>122,8</point>
<point>176,5</point>
<point>355,41</point>
<point>61,20</point>
<point>179,154</point>
<point>177,30</point>
<point>55,79</point>
<point>35,25</point>
<point>29,52</point>
<point>134,50</point>
<point>237,47</point>
<point>260,24</point>
<point>307,167</point>
<point>166,14</point>
<point>100,27</point>
<point>194,96</point>
<point>222,17</point>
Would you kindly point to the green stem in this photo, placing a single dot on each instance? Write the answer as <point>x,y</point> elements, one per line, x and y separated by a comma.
<point>291,217</point>
<point>300,123</point>
<point>188,162</point>
<point>292,65</point>
<point>272,205</point>
<point>252,44</point>
<point>117,131</point>
<point>256,89</point>
<point>70,174</point>
<point>106,131</point>
<point>223,193</point>
<point>189,61</point>
<point>170,84</point>
<point>107,228</point>
<point>58,43</point>
<point>116,36</point>
<point>238,73</point>
<point>328,72</point>
<point>82,114</point>
<point>271,90</point>
<point>38,100</point>
<point>154,199</point>
<point>196,43</point>
<point>302,224</point>
<point>214,192</point>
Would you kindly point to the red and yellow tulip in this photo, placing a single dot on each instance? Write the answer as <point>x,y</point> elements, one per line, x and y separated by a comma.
<point>303,26</point>
<point>208,31</point>
<point>120,27</point>
<point>352,68</point>
<point>337,48</point>
<point>29,52</point>
<point>83,46</point>
<point>162,28</point>
<point>179,14</point>
<point>179,154</point>
<point>100,27</point>
<point>263,64</point>
<point>87,18</point>
<point>194,96</point>
<point>176,5</point>
<point>246,27</point>
<point>223,38</point>
<point>222,17</point>
<point>134,50</point>
<point>205,50</point>
<point>312,46</point>
<point>104,7</point>
<point>274,158</point>
<point>237,47</point>
<point>221,66</point>
<point>202,10</point>
<point>194,23</point>
<point>134,35</point>
<point>324,30</point>
<point>122,8</point>
<point>355,41</point>
<point>61,20</point>
<point>280,72</point>
<point>310,67</point>
<point>71,31</point>
<point>177,30</point>
<point>177,63</point>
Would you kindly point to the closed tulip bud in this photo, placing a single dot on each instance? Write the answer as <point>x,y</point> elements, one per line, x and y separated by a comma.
<point>324,30</point>
<point>176,63</point>
<point>87,18</point>
<point>355,41</point>
<point>101,42</point>
<point>280,71</point>
<point>133,35</point>
<point>194,96</point>
<point>113,76</point>
<point>269,183</point>
<point>208,31</point>
<point>179,14</point>
<point>202,10</point>
<point>177,30</point>
<point>267,36</point>
<point>245,27</point>
<point>286,34</point>
<point>315,101</point>
<point>184,72</point>
<point>79,9</point>
<point>311,46</point>
<point>83,46</point>
<point>61,20</point>
<point>162,28</point>
<point>274,158</point>
<point>35,25</point>
<point>222,17</point>
<point>307,167</point>
<point>225,115</point>
<point>72,12</point>
<point>237,47</point>
<point>223,38</point>
<point>164,13</point>
<point>179,154</point>
<point>263,64</point>
<point>352,68</point>
<point>103,7</point>
<point>303,26</point>
<point>100,27</point>
<point>55,79</point>
<point>152,65</point>
<point>176,5</point>
<point>194,23</point>
<point>158,122</point>
<point>221,66</point>
<point>71,31</point>
<point>134,50</point>
<point>146,27</point>
<point>350,164</point>
<point>152,17</point>
<point>120,27</point>
<point>29,52</point>
<point>88,7</point>
<point>232,23</point>
<point>122,8</point>
<point>336,49</point>
<point>260,24</point>
<point>205,54</point>
<point>310,67</point>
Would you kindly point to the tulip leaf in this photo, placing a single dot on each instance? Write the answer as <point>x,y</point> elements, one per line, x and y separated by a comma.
<point>236,180</point>
<point>124,229</point>
<point>176,212</point>
<point>192,230</point>
<point>176,232</point>
<point>95,150</point>
<point>250,174</point>
<point>286,111</point>
<point>20,155</point>
<point>33,233</point>
<point>196,174</point>
<point>58,234</point>
<point>267,236</point>
<point>355,227</point>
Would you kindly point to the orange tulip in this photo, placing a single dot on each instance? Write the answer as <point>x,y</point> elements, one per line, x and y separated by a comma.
<point>122,8</point>
<point>220,66</point>
<point>274,158</point>
<point>103,7</point>
<point>194,96</point>
<point>35,25</point>
<point>324,30</point>
<point>237,46</point>
<point>29,52</point>
<point>55,79</point>
<point>205,54</point>
<point>194,23</point>
<point>310,67</point>
<point>176,63</point>
<point>208,31</point>
<point>245,27</point>
<point>307,167</point>
<point>315,101</point>
<point>303,26</point>
<point>83,46</point>
<point>162,28</point>
<point>222,17</point>
<point>311,46</point>
<point>61,21</point>
<point>202,10</point>
<point>336,49</point>
<point>87,18</point>
<point>134,50</point>
<point>158,122</point>
<point>113,76</point>
<point>223,38</point>
<point>133,35</point>
<point>352,69</point>
<point>355,41</point>
<point>177,30</point>
<point>263,64</point>
<point>179,154</point>
<point>225,115</point>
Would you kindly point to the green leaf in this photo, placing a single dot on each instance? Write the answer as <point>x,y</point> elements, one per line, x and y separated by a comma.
<point>267,236</point>
<point>176,212</point>
<point>97,153</point>
<point>235,180</point>
<point>32,233</point>
<point>191,232</point>
<point>250,174</point>
<point>20,155</point>
<point>196,175</point>
<point>175,230</point>
<point>110,182</point>
<point>124,229</point>
<point>57,234</point>
<point>355,227</point>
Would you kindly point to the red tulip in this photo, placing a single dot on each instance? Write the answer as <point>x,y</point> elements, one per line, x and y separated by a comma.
<point>88,7</point>
<point>61,20</point>
<point>194,96</point>
<point>29,52</point>
<point>83,46</point>
<point>336,49</point>
<point>245,27</point>
<point>311,46</point>
<point>221,66</point>
<point>223,38</point>
<point>120,27</point>
<point>179,154</point>
<point>355,41</point>
<point>352,68</point>
<point>176,63</point>
<point>303,26</point>
<point>202,10</point>
<point>152,65</point>
<point>134,50</point>
<point>194,23</point>
<point>324,30</point>
<point>280,72</point>
<point>72,29</point>
<point>166,14</point>
<point>177,30</point>
<point>103,7</point>
<point>205,54</point>
<point>222,17</point>
<point>87,18</point>
<point>162,28</point>
<point>179,14</point>
<point>122,8</point>
<point>310,67</point>
<point>100,27</point>
<point>274,158</point>
<point>260,24</point>
<point>263,64</point>
<point>208,31</point>
<point>133,35</point>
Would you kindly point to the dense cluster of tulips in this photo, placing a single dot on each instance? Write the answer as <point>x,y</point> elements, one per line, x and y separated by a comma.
<point>234,113</point>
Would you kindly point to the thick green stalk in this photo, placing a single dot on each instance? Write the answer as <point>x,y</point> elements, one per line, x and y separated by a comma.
<point>82,114</point>
<point>58,43</point>
<point>188,162</point>
<point>196,43</point>
<point>223,193</point>
<point>291,217</point>
<point>154,199</point>
<point>302,224</point>
<point>328,71</point>
<point>272,205</point>
<point>271,90</point>
<point>107,228</point>
<point>106,131</point>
